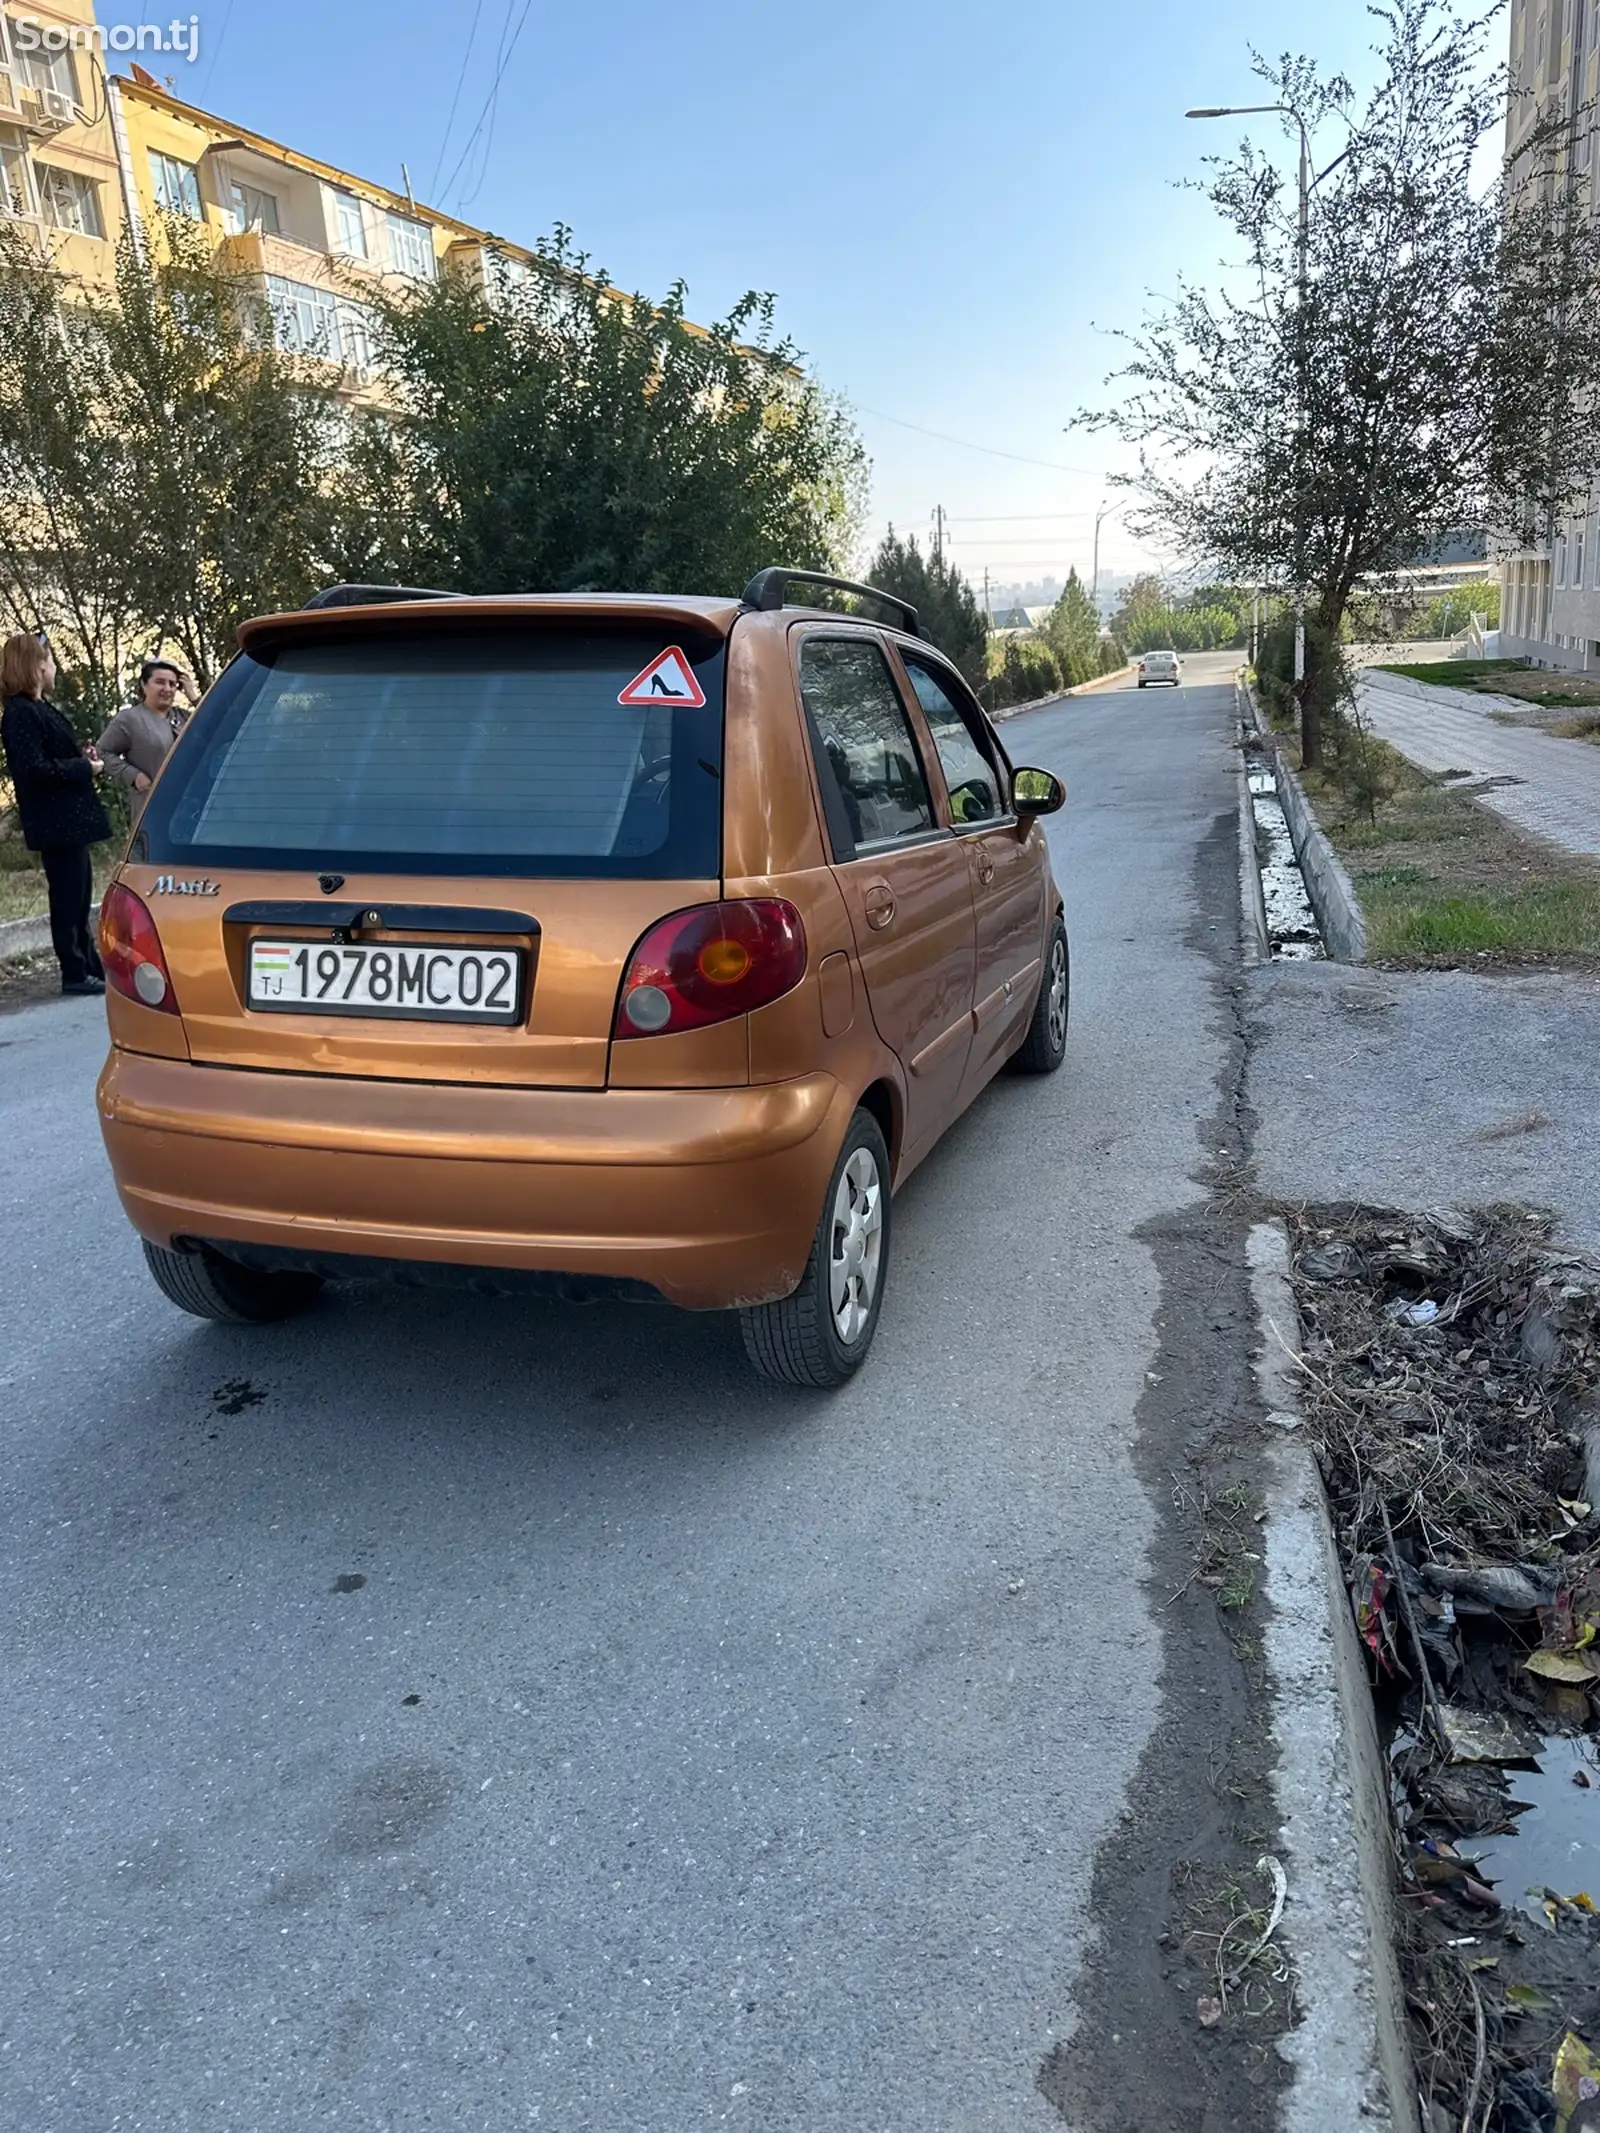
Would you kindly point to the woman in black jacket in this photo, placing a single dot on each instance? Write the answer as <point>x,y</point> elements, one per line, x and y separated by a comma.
<point>53,778</point>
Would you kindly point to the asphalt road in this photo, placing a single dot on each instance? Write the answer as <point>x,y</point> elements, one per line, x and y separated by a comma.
<point>443,1713</point>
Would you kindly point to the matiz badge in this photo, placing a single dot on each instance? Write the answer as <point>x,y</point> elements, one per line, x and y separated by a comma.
<point>171,885</point>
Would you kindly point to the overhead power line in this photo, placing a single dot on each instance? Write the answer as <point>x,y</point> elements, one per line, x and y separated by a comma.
<point>966,444</point>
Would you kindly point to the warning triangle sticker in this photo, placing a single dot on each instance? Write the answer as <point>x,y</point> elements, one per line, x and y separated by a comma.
<point>667,680</point>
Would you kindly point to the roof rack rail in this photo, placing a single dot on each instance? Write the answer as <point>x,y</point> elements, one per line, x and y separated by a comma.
<point>372,595</point>
<point>767,588</point>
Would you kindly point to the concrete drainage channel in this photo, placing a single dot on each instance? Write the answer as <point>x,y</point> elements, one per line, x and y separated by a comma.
<point>1293,935</point>
<point>1300,904</point>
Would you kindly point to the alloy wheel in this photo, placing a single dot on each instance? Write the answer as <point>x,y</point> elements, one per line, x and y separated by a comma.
<point>856,1249</point>
<point>1057,1009</point>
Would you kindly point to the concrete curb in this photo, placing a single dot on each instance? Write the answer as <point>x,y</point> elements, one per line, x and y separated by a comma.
<point>1332,893</point>
<point>1350,2052</point>
<point>30,936</point>
<point>1433,692</point>
<point>1084,688</point>
<point>23,936</point>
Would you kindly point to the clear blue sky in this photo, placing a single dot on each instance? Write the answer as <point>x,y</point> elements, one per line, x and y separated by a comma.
<point>952,204</point>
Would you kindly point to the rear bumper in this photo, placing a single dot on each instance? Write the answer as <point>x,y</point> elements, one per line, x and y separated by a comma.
<point>710,1196</point>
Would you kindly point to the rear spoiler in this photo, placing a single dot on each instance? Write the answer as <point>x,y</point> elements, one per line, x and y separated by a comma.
<point>365,610</point>
<point>374,595</point>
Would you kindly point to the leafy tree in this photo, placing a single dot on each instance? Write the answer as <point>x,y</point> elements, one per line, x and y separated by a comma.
<point>1073,632</point>
<point>1436,364</point>
<point>549,434</point>
<point>946,605</point>
<point>69,479</point>
<point>1449,613</point>
<point>1027,669</point>
<point>172,477</point>
<point>236,444</point>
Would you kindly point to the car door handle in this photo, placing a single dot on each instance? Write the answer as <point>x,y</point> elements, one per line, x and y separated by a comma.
<point>879,902</point>
<point>985,868</point>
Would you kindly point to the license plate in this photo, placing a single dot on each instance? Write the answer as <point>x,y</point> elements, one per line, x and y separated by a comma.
<point>405,980</point>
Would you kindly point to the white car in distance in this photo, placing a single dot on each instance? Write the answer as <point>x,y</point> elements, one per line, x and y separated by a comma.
<point>1159,666</point>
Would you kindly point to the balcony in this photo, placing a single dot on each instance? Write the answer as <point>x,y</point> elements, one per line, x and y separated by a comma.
<point>254,252</point>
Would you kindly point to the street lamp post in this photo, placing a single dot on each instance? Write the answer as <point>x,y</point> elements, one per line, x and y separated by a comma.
<point>1302,248</point>
<point>1104,511</point>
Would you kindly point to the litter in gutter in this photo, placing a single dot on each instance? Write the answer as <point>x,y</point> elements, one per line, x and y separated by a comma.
<point>1292,930</point>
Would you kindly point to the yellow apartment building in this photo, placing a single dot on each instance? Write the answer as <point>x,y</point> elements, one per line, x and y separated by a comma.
<point>58,150</point>
<point>86,150</point>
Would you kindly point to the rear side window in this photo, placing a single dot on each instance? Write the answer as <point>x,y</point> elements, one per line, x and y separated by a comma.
<point>482,752</point>
<point>874,789</point>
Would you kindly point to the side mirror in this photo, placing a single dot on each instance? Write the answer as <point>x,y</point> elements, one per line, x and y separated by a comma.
<point>1037,792</point>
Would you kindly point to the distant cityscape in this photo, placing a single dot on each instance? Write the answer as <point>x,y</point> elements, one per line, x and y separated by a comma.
<point>1045,592</point>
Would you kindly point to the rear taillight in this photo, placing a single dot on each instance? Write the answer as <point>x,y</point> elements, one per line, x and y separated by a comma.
<point>130,949</point>
<point>710,963</point>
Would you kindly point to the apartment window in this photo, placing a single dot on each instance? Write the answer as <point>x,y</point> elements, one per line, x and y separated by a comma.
<point>16,174</point>
<point>1577,559</point>
<point>32,67</point>
<point>251,209</point>
<point>315,322</point>
<point>1561,559</point>
<point>70,201</point>
<point>306,319</point>
<point>350,225</point>
<point>357,333</point>
<point>410,247</point>
<point>177,185</point>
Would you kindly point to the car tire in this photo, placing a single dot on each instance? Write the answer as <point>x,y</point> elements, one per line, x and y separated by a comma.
<point>808,1338</point>
<point>1045,1046</point>
<point>208,1286</point>
<point>1141,684</point>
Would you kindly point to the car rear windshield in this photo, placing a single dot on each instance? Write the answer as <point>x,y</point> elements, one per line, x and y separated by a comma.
<point>456,752</point>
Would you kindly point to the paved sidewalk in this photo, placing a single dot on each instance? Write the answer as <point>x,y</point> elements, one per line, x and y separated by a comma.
<point>1557,793</point>
<point>1428,1088</point>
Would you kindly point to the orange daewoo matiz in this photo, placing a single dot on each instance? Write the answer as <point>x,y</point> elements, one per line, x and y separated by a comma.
<point>583,945</point>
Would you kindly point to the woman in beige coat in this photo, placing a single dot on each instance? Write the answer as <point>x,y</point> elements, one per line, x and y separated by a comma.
<point>134,746</point>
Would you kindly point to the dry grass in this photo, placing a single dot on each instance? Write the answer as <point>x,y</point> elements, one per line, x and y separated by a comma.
<point>1505,677</point>
<point>1454,1455</point>
<point>23,893</point>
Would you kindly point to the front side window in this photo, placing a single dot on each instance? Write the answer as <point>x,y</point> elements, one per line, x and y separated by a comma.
<point>410,248</point>
<point>349,225</point>
<point>866,756</point>
<point>70,201</point>
<point>452,751</point>
<point>974,784</point>
<point>177,185</point>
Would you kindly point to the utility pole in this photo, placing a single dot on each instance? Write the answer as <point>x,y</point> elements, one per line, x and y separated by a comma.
<point>1104,511</point>
<point>988,611</point>
<point>938,532</point>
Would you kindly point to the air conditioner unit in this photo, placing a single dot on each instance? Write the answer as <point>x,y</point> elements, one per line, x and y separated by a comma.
<point>48,111</point>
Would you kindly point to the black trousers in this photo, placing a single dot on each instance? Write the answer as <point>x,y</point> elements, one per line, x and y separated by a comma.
<point>69,870</point>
